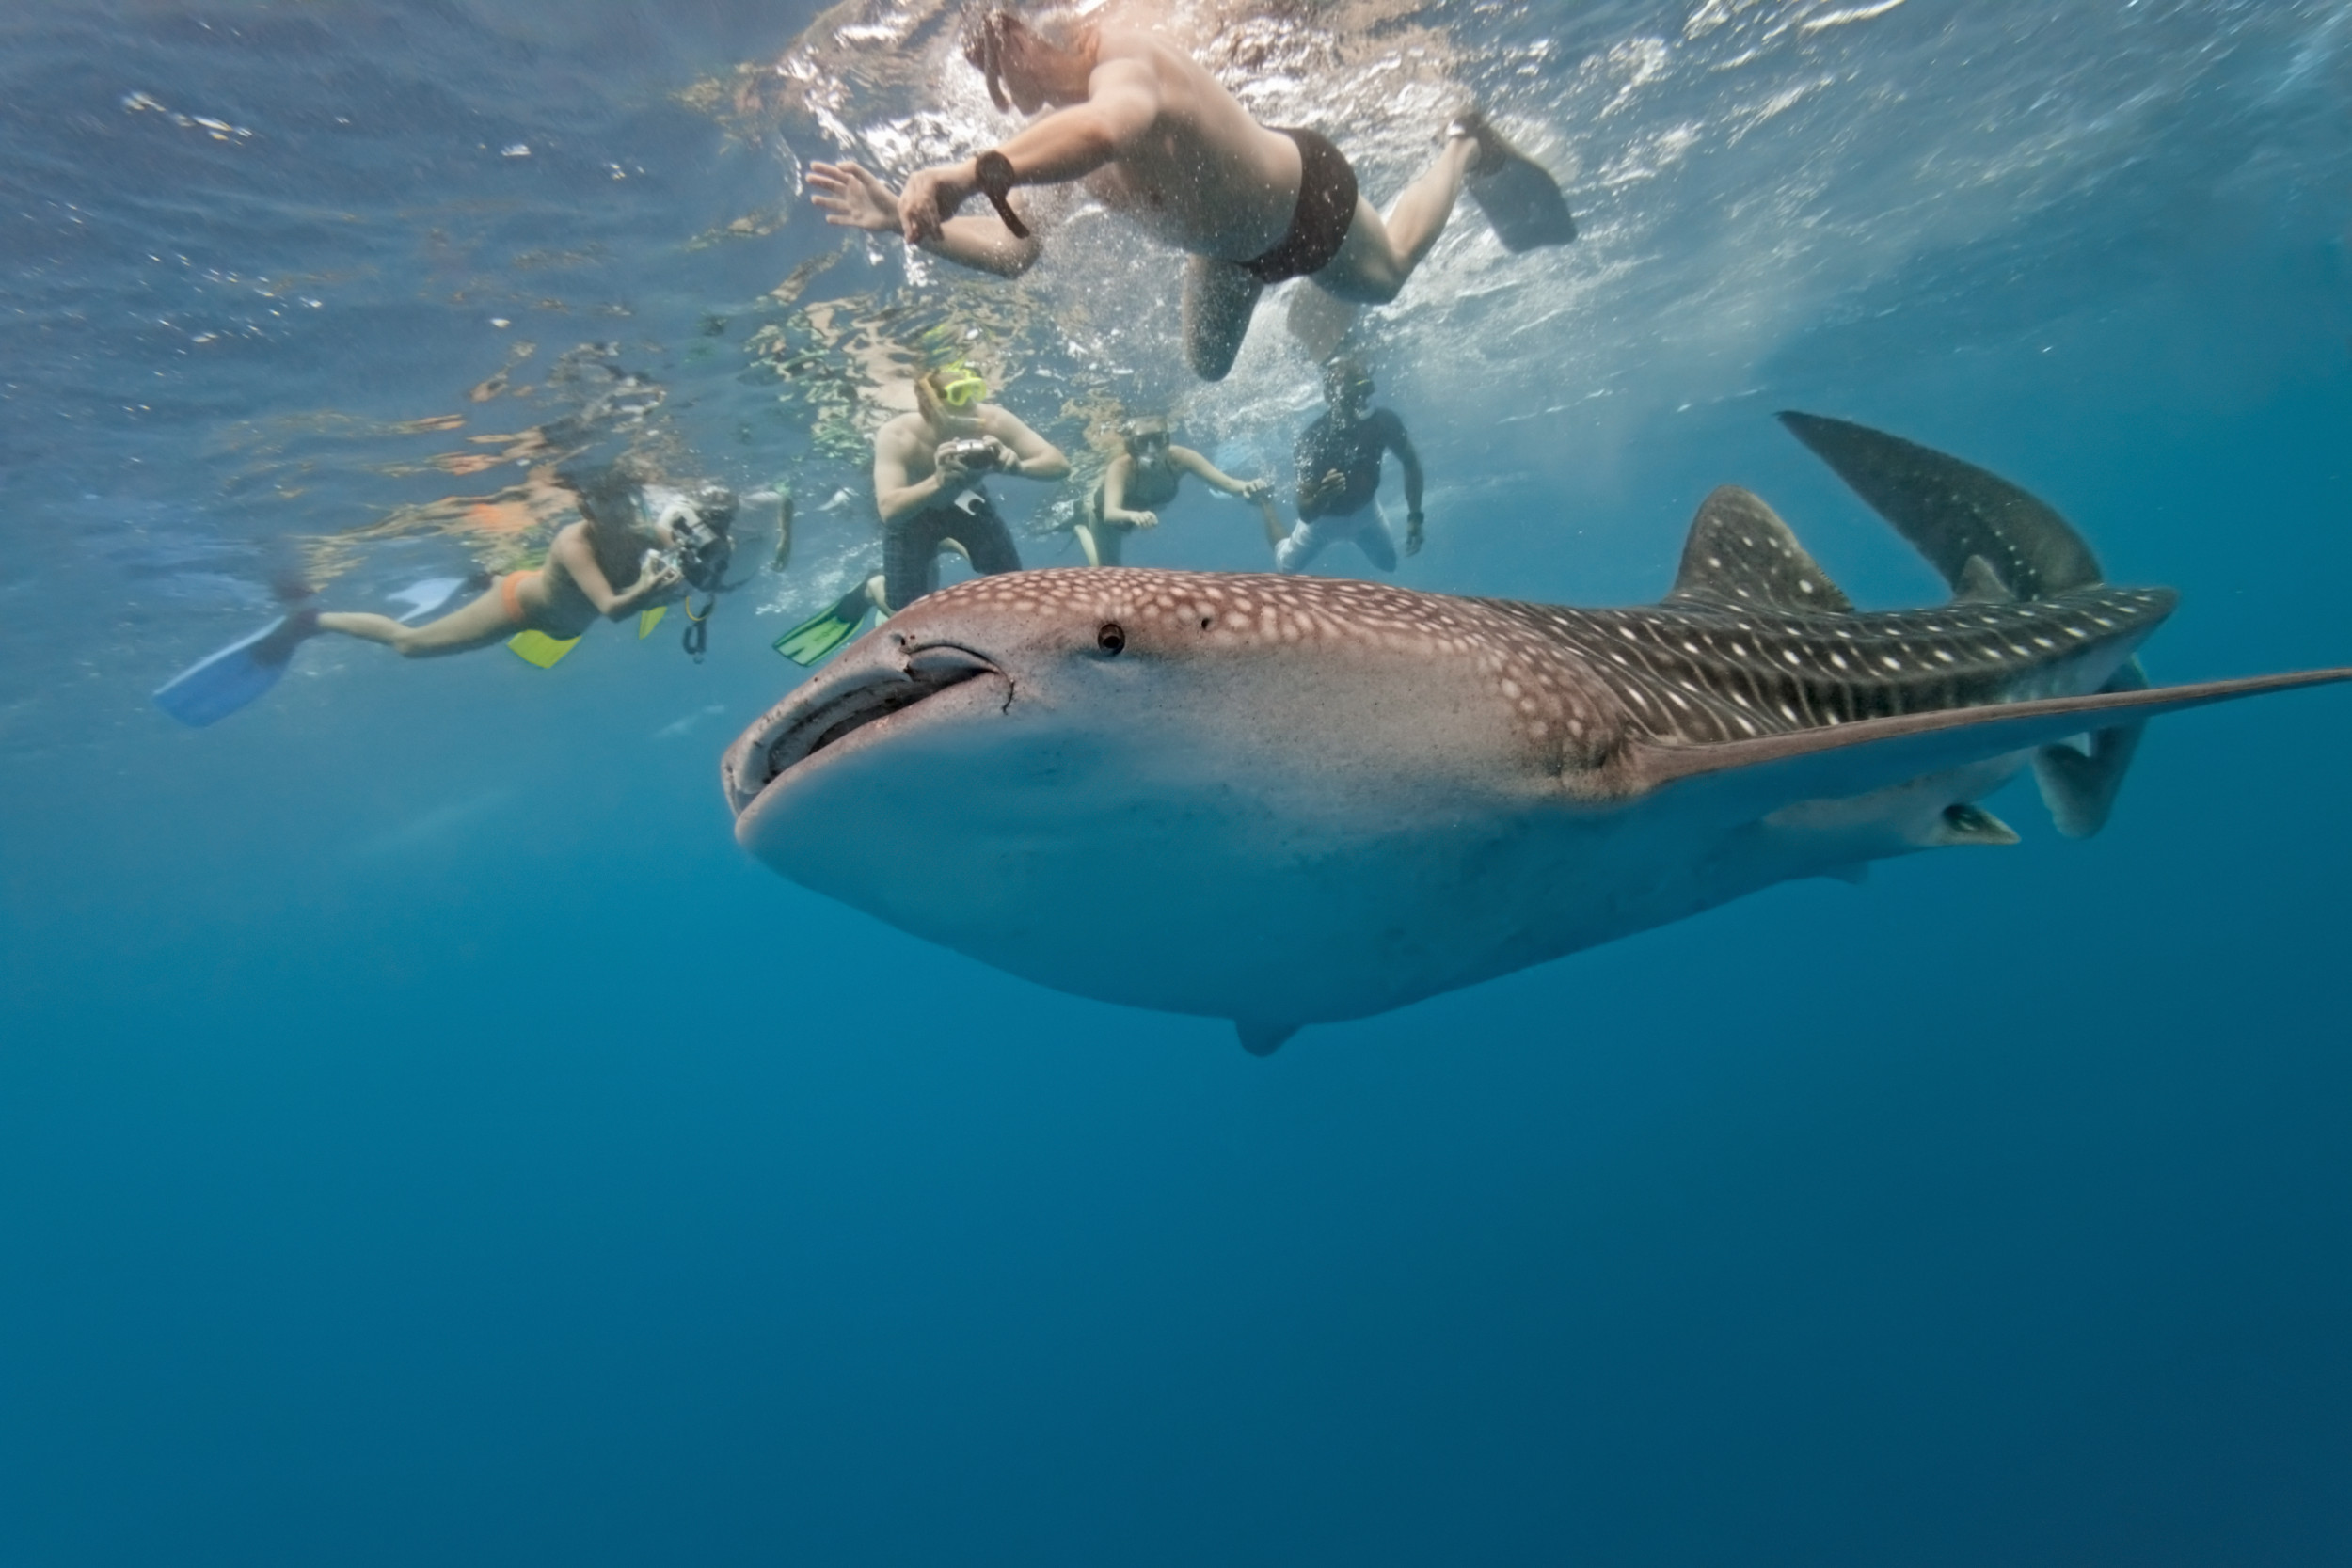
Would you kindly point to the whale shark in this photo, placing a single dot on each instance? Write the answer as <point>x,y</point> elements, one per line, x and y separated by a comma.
<point>1289,800</point>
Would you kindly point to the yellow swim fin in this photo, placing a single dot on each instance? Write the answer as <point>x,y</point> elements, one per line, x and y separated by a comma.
<point>648,619</point>
<point>538,648</point>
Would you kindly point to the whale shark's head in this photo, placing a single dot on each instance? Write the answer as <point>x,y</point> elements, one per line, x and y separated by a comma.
<point>1043,769</point>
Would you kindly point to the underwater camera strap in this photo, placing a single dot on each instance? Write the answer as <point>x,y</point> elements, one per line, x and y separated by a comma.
<point>695,640</point>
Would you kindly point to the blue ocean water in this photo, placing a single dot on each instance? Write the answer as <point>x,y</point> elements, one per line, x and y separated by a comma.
<point>425,1137</point>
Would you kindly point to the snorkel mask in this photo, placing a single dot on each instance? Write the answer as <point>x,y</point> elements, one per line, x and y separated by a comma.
<point>1147,441</point>
<point>959,384</point>
<point>1347,387</point>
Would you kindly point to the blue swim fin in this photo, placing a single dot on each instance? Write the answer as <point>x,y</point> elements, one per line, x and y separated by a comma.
<point>214,689</point>
<point>1519,198</point>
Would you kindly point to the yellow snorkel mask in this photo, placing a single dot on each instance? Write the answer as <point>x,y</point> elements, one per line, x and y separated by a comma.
<point>959,384</point>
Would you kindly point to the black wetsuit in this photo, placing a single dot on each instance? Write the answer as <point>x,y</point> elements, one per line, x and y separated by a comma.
<point>910,546</point>
<point>1355,450</point>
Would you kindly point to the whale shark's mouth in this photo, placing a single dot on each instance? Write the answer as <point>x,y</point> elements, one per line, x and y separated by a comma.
<point>824,715</point>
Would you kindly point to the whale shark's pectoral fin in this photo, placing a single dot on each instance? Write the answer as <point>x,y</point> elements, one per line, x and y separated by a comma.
<point>2081,788</point>
<point>1842,761</point>
<point>1263,1039</point>
<point>1964,823</point>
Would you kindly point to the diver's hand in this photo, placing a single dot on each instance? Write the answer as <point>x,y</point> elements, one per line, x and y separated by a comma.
<point>853,197</point>
<point>949,466</point>
<point>1412,533</point>
<point>1255,489</point>
<point>931,198</point>
<point>1008,461</point>
<point>657,574</point>
<point>1134,519</point>
<point>1328,486</point>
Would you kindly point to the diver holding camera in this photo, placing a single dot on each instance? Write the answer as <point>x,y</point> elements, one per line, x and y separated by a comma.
<point>636,547</point>
<point>929,468</point>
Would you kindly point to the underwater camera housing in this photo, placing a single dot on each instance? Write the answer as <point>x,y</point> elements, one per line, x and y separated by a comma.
<point>977,453</point>
<point>698,525</point>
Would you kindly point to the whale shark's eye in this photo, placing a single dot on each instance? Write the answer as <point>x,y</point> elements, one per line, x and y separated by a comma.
<point>1111,638</point>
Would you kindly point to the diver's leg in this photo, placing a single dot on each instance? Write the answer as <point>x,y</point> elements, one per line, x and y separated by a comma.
<point>1275,533</point>
<point>911,556</point>
<point>988,543</point>
<point>1086,542</point>
<point>1381,253</point>
<point>1374,538</point>
<point>1305,542</point>
<point>477,625</point>
<point>1320,320</point>
<point>1218,298</point>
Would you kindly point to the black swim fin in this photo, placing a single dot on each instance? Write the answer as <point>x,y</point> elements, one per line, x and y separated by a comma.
<point>1519,198</point>
<point>819,635</point>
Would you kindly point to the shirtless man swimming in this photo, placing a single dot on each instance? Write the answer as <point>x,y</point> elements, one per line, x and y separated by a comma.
<point>1152,135</point>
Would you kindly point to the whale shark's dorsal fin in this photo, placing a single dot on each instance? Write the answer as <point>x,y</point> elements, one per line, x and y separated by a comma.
<point>1741,555</point>
<point>1980,584</point>
<point>1951,511</point>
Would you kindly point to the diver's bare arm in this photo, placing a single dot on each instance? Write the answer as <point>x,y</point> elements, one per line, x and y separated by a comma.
<point>1115,494</point>
<point>852,197</point>
<point>985,245</point>
<point>570,551</point>
<point>895,495</point>
<point>1402,445</point>
<point>1193,463</point>
<point>1123,100</point>
<point>1068,144</point>
<point>1034,456</point>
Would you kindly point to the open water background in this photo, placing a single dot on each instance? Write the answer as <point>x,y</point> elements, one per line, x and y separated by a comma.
<point>423,1137</point>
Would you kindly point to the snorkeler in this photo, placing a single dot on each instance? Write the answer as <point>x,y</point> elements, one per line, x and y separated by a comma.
<point>637,546</point>
<point>610,563</point>
<point>1155,136</point>
<point>929,468</point>
<point>1145,476</point>
<point>1339,471</point>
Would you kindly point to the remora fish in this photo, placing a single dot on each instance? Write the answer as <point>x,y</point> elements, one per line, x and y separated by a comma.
<point>1291,800</point>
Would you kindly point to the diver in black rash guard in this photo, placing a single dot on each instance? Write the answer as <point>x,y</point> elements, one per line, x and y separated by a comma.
<point>1145,476</point>
<point>1339,471</point>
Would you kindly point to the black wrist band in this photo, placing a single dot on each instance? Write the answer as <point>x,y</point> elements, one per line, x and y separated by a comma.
<point>993,171</point>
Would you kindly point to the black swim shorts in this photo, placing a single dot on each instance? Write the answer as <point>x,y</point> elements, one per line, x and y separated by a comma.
<point>1327,205</point>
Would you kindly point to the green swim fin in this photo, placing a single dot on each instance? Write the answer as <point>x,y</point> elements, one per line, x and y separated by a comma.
<point>1518,196</point>
<point>813,638</point>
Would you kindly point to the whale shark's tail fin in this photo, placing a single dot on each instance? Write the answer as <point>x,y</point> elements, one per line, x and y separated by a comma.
<point>1992,541</point>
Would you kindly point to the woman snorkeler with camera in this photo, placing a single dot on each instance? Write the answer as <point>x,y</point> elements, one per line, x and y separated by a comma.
<point>625,554</point>
<point>637,546</point>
